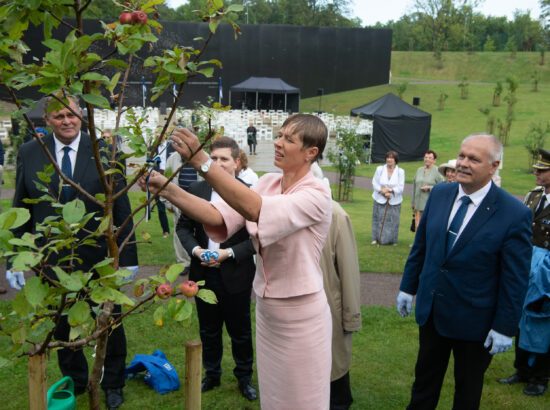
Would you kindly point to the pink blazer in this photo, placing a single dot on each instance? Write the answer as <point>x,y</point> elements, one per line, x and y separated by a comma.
<point>289,235</point>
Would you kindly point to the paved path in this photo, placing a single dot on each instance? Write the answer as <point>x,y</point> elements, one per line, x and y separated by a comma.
<point>378,289</point>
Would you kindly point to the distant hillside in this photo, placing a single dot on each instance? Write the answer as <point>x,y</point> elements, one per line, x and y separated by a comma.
<point>479,66</point>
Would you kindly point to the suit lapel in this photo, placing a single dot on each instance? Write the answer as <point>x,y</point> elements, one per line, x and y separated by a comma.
<point>484,211</point>
<point>447,206</point>
<point>54,184</point>
<point>83,161</point>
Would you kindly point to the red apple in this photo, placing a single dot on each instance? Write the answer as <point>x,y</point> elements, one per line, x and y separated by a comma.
<point>139,17</point>
<point>189,288</point>
<point>125,18</point>
<point>164,291</point>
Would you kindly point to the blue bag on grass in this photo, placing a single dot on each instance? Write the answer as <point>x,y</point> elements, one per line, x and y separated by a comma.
<point>160,374</point>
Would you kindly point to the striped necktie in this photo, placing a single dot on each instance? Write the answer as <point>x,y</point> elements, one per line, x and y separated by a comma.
<point>454,228</point>
<point>67,169</point>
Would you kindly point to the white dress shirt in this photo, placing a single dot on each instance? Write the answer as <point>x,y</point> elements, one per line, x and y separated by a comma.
<point>476,199</point>
<point>59,152</point>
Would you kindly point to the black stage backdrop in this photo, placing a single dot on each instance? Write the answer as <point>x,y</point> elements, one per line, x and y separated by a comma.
<point>309,58</point>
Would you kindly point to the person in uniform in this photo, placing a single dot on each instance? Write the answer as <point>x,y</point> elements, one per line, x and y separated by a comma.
<point>532,361</point>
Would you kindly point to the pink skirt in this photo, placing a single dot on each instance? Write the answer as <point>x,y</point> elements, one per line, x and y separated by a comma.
<point>293,351</point>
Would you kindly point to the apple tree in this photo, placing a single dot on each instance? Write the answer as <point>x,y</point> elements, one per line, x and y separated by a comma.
<point>70,67</point>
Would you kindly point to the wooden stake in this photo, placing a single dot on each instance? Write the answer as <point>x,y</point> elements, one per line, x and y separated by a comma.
<point>193,372</point>
<point>37,382</point>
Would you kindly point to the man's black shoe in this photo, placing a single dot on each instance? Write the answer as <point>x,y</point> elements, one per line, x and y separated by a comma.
<point>247,390</point>
<point>515,378</point>
<point>209,383</point>
<point>534,389</point>
<point>113,398</point>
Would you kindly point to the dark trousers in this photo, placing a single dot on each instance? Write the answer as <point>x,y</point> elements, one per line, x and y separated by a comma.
<point>532,367</point>
<point>234,311</point>
<point>340,393</point>
<point>252,147</point>
<point>162,216</point>
<point>471,361</point>
<point>73,363</point>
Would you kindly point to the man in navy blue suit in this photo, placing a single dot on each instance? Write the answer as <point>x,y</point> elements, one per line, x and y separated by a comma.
<point>469,268</point>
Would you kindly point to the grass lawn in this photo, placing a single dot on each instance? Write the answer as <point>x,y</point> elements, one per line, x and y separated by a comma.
<point>478,66</point>
<point>384,354</point>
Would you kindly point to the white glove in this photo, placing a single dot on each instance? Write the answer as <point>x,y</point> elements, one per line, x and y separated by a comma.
<point>501,343</point>
<point>15,279</point>
<point>404,304</point>
<point>134,270</point>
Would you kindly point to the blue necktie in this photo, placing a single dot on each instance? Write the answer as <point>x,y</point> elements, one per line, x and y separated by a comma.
<point>452,233</point>
<point>67,169</point>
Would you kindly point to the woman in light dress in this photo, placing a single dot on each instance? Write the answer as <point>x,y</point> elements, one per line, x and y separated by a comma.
<point>288,216</point>
<point>388,183</point>
<point>424,180</point>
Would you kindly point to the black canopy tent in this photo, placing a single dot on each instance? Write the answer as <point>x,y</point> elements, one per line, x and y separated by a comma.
<point>397,126</point>
<point>280,94</point>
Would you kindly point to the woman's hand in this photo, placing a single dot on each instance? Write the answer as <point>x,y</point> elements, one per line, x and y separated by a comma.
<point>156,181</point>
<point>186,144</point>
<point>425,188</point>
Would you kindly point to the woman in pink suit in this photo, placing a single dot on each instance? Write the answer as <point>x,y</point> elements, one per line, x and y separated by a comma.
<point>288,216</point>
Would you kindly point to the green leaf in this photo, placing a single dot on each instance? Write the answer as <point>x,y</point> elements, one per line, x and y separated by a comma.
<point>105,270</point>
<point>43,177</point>
<point>113,82</point>
<point>20,305</point>
<point>76,332</point>
<point>94,77</point>
<point>14,218</point>
<point>67,281</point>
<point>35,290</point>
<point>121,299</point>
<point>3,362</point>
<point>184,313</point>
<point>78,313</point>
<point>24,261</point>
<point>104,262</point>
<point>74,211</point>
<point>235,8</point>
<point>207,72</point>
<point>174,271</point>
<point>213,25</point>
<point>101,294</point>
<point>158,315</point>
<point>97,100</point>
<point>19,335</point>
<point>207,295</point>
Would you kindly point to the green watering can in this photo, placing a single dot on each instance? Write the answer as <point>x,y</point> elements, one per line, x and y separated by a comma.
<point>62,399</point>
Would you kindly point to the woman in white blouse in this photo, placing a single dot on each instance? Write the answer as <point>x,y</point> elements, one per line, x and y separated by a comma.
<point>388,183</point>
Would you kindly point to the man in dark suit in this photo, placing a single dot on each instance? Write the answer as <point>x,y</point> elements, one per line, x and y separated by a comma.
<point>73,151</point>
<point>229,276</point>
<point>469,268</point>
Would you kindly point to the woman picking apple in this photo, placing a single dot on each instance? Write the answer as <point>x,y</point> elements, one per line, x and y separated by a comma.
<point>288,217</point>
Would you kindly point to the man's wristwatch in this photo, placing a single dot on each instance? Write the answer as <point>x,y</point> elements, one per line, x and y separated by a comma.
<point>205,167</point>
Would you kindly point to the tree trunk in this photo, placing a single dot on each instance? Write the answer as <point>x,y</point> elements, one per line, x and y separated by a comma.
<point>37,382</point>
<point>193,371</point>
<point>100,350</point>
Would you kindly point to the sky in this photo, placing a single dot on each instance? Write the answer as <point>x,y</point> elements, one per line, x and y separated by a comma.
<point>372,11</point>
